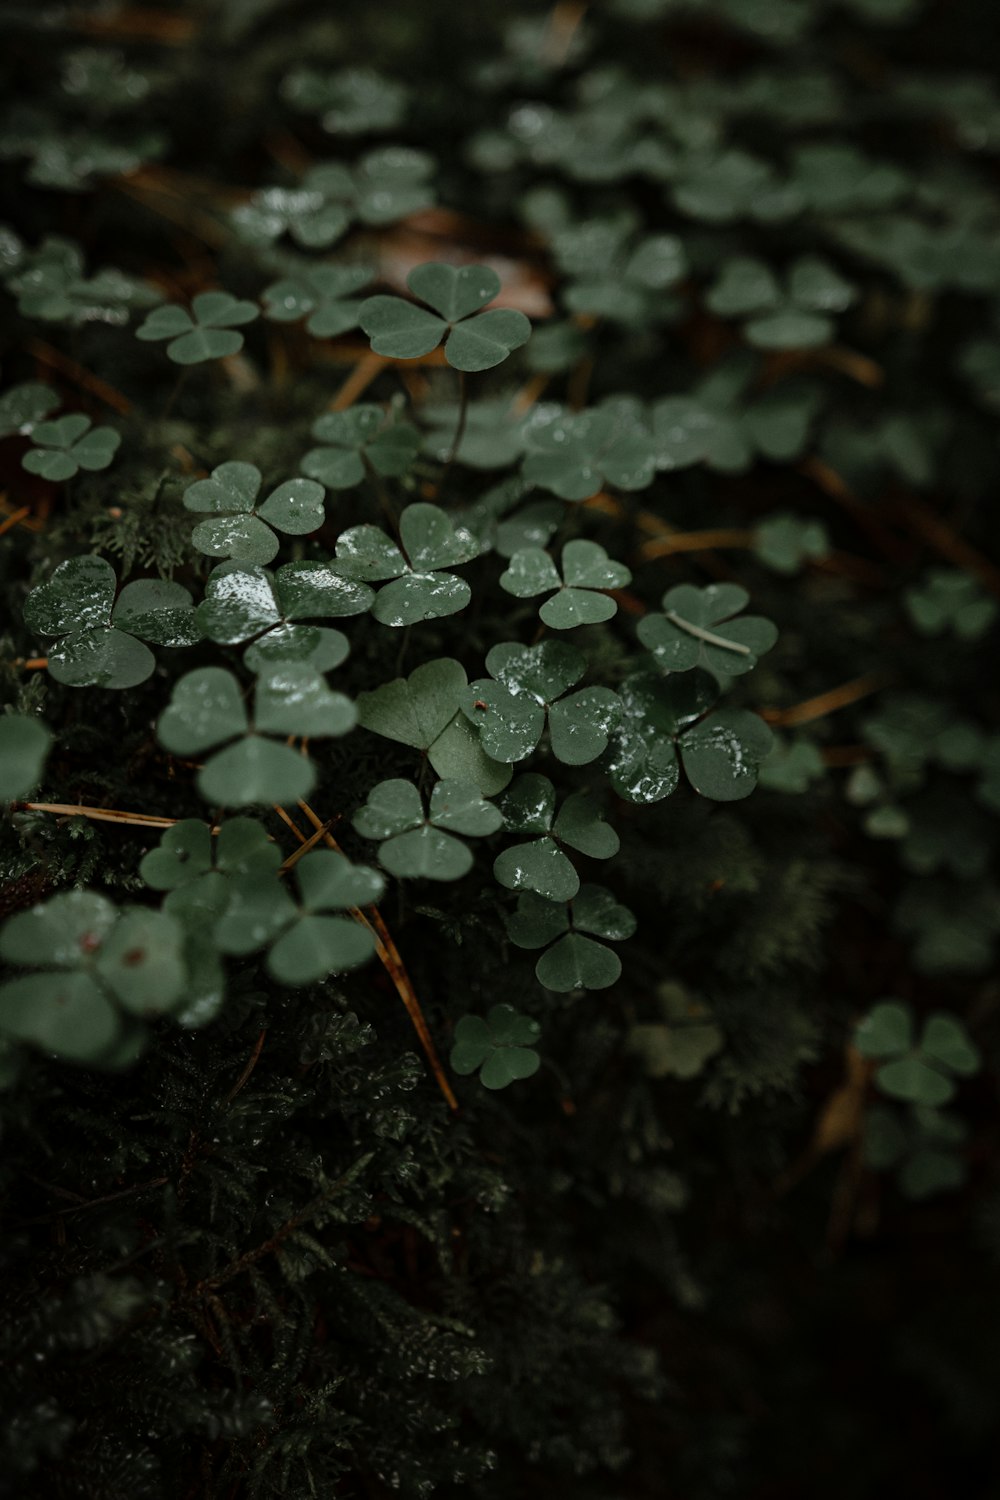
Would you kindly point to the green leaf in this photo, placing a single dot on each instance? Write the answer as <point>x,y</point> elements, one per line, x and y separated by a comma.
<point>184,853</point>
<point>453,292</point>
<point>946,1042</point>
<point>101,658</point>
<point>142,962</point>
<point>320,294</point>
<point>458,755</point>
<point>722,755</point>
<point>77,597</point>
<point>206,708</point>
<point>581,825</point>
<point>415,710</point>
<point>576,962</point>
<point>426,853</point>
<point>500,1046</point>
<point>912,1079</point>
<point>457,806</point>
<point>22,407</point>
<point>485,341</point>
<point>317,946</point>
<point>529,804</point>
<point>540,866</point>
<point>886,1030</point>
<point>67,1014</point>
<point>63,931</point>
<point>24,746</point>
<point>399,329</point>
<point>294,699</point>
<point>255,771</point>
<point>363,433</point>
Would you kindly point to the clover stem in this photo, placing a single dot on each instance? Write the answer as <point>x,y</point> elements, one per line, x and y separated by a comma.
<point>381,493</point>
<point>175,391</point>
<point>456,443</point>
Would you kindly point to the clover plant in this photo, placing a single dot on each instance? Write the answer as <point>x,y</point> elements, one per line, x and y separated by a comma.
<point>208,331</point>
<point>473,340</point>
<point>498,1048</point>
<point>64,446</point>
<point>243,529</point>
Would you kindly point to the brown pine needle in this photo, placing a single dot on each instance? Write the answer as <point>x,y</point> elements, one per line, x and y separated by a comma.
<point>80,376</point>
<point>96,814</point>
<point>825,703</point>
<point>392,962</point>
<point>695,541</point>
<point>360,378</point>
<point>310,843</point>
<point>9,522</point>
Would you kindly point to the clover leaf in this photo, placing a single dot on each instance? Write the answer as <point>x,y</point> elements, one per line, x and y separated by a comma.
<point>953,926</point>
<point>615,274</point>
<point>919,1072</point>
<point>321,295</point>
<point>357,440</point>
<point>415,843</point>
<point>206,710</point>
<point>473,340</point>
<point>98,970</point>
<point>720,187</point>
<point>723,424</point>
<point>420,588</point>
<point>586,569</point>
<point>574,456</point>
<point>784,542</point>
<point>795,316</point>
<point>424,712</point>
<point>206,332</point>
<point>666,724</point>
<point>386,185</point>
<point>245,603</point>
<point>573,960</point>
<point>24,406</point>
<point>526,689</point>
<point>529,806</point>
<point>949,600</point>
<point>309,938</point>
<point>697,629</point>
<point>241,528</point>
<point>350,101</point>
<point>103,637</point>
<point>792,766</point>
<point>24,745</point>
<point>50,283</point>
<point>65,446</point>
<point>189,853</point>
<point>499,1048</point>
<point>682,1041</point>
<point>921,1145</point>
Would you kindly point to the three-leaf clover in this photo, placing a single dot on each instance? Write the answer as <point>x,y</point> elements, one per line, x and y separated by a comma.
<point>529,806</point>
<point>682,1041</point>
<point>189,854</point>
<point>919,1072</point>
<point>614,274</point>
<point>499,1047</point>
<point>50,284</point>
<point>242,529</point>
<point>363,437</point>
<point>61,448</point>
<point>321,295</point>
<point>586,570</point>
<point>526,688</point>
<point>24,745</point>
<point>206,332</point>
<point>573,456</point>
<point>420,588</point>
<point>385,185</point>
<point>424,712</point>
<point>415,843</point>
<point>103,637</point>
<point>950,600</point>
<point>207,710</point>
<point>309,938</point>
<point>573,960</point>
<point>697,629</point>
<point>473,340</point>
<point>245,603</point>
<point>665,724</point>
<point>794,317</point>
<point>350,101</point>
<point>98,967</point>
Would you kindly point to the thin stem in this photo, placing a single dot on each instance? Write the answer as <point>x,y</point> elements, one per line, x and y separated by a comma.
<point>381,493</point>
<point>463,412</point>
<point>176,389</point>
